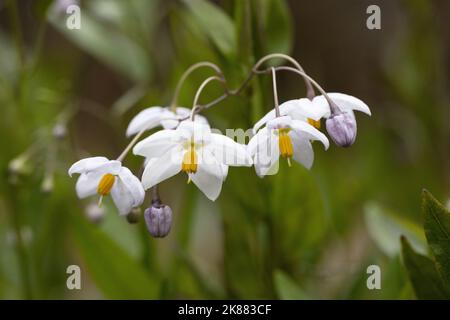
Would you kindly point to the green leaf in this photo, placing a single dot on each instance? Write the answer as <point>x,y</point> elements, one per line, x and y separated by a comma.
<point>113,270</point>
<point>216,24</point>
<point>385,228</point>
<point>107,45</point>
<point>286,287</point>
<point>437,231</point>
<point>278,27</point>
<point>423,274</point>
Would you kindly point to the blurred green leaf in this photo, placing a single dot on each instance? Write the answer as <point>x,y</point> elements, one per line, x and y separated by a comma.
<point>424,277</point>
<point>437,231</point>
<point>216,24</point>
<point>277,26</point>
<point>117,274</point>
<point>385,228</point>
<point>286,287</point>
<point>107,45</point>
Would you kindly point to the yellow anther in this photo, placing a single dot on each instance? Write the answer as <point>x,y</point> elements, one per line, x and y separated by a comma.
<point>105,185</point>
<point>285,143</point>
<point>314,123</point>
<point>189,164</point>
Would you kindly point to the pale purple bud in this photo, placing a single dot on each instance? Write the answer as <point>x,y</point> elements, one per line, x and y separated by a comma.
<point>159,220</point>
<point>342,129</point>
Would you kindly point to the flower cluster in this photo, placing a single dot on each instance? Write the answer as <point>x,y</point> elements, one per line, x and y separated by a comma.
<point>187,144</point>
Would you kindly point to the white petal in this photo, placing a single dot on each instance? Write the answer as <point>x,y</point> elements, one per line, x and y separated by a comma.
<point>134,186</point>
<point>261,136</point>
<point>156,144</point>
<point>209,184</point>
<point>146,119</point>
<point>228,151</point>
<point>303,151</point>
<point>87,164</point>
<point>224,171</point>
<point>122,197</point>
<point>267,155</point>
<point>306,108</point>
<point>308,131</point>
<point>208,161</point>
<point>344,101</point>
<point>162,168</point>
<point>87,184</point>
<point>188,130</point>
<point>280,122</point>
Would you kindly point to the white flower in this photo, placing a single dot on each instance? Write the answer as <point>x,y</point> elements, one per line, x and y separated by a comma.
<point>98,175</point>
<point>154,116</point>
<point>286,137</point>
<point>194,149</point>
<point>312,111</point>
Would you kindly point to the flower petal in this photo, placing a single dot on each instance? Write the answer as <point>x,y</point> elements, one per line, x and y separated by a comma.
<point>162,168</point>
<point>261,136</point>
<point>267,155</point>
<point>303,151</point>
<point>122,197</point>
<point>156,144</point>
<point>304,129</point>
<point>146,119</point>
<point>87,184</point>
<point>344,101</point>
<point>208,179</point>
<point>280,122</point>
<point>192,130</point>
<point>229,152</point>
<point>134,186</point>
<point>87,164</point>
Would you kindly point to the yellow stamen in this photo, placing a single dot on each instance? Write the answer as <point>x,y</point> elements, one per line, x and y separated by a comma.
<point>314,123</point>
<point>105,185</point>
<point>189,164</point>
<point>285,144</point>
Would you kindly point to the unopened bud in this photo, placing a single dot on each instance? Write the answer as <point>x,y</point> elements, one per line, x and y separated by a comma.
<point>158,219</point>
<point>342,129</point>
<point>133,216</point>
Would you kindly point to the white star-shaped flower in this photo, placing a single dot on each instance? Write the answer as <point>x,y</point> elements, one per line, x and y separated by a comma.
<point>101,176</point>
<point>166,117</point>
<point>195,150</point>
<point>286,137</point>
<point>316,109</point>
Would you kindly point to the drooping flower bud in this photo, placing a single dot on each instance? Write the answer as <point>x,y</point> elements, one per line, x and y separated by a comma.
<point>158,219</point>
<point>342,128</point>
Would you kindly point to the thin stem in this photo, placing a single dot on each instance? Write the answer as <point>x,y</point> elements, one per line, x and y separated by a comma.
<point>184,76</point>
<point>275,93</point>
<point>309,88</point>
<point>199,91</point>
<point>130,145</point>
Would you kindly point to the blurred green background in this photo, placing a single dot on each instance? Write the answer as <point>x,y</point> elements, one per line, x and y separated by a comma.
<point>67,94</point>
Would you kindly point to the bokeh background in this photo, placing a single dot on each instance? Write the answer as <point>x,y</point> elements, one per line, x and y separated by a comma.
<point>67,94</point>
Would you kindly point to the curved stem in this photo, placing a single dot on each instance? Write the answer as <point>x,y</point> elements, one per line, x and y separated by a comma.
<point>275,92</point>
<point>334,108</point>
<point>130,145</point>
<point>309,88</point>
<point>199,91</point>
<point>184,76</point>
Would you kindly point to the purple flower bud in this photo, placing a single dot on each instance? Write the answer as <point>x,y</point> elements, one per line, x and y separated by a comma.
<point>342,129</point>
<point>159,219</point>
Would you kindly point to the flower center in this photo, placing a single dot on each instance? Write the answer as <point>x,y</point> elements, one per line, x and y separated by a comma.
<point>189,164</point>
<point>105,185</point>
<point>314,123</point>
<point>285,143</point>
